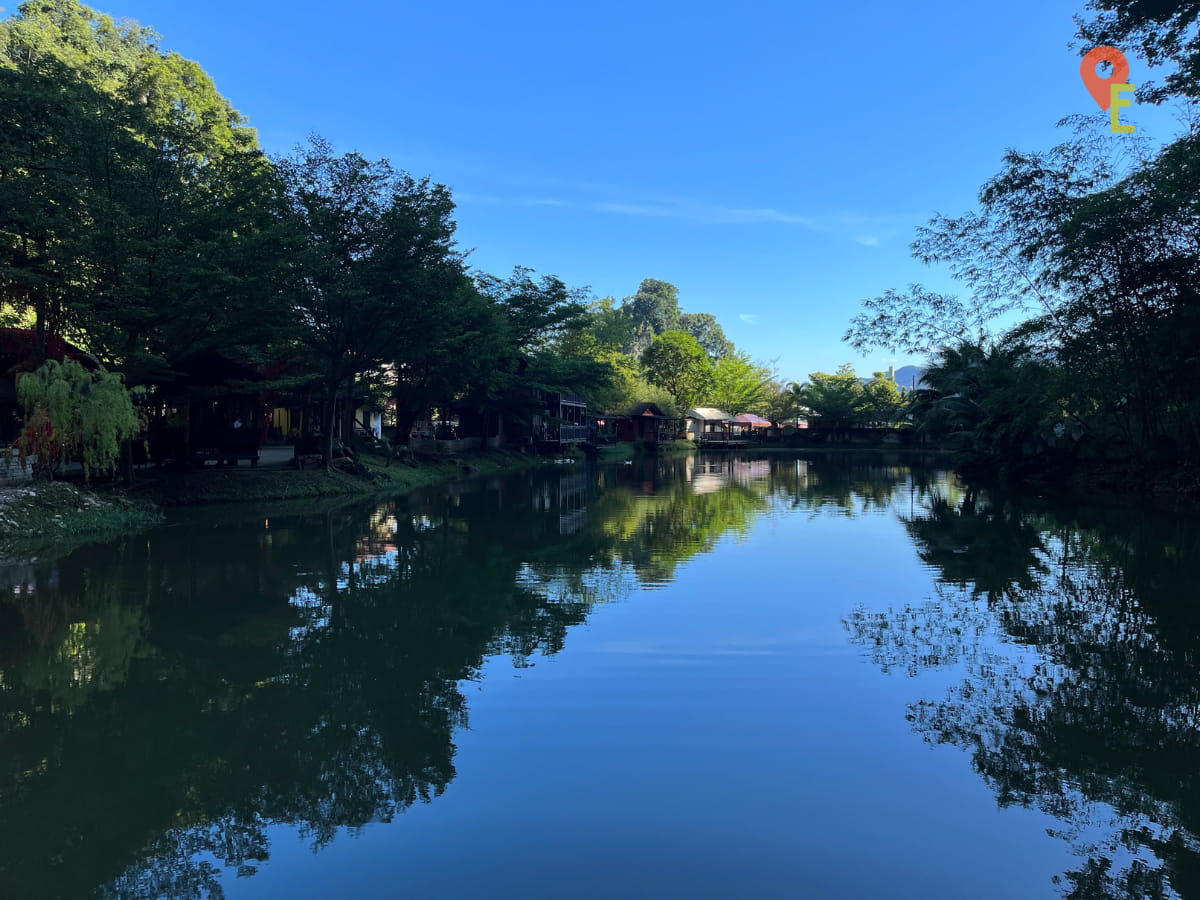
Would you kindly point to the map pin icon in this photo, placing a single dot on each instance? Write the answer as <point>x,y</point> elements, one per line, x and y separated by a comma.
<point>1099,87</point>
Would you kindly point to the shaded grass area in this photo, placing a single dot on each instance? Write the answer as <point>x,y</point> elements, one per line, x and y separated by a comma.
<point>41,518</point>
<point>44,515</point>
<point>838,449</point>
<point>681,446</point>
<point>243,484</point>
<point>616,452</point>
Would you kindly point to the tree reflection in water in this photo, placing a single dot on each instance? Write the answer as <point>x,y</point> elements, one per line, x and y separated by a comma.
<point>1080,694</point>
<point>167,698</point>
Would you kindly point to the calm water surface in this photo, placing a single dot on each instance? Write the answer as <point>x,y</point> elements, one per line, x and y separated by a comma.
<point>838,676</point>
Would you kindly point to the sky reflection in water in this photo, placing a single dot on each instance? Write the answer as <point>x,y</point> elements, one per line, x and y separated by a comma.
<point>841,676</point>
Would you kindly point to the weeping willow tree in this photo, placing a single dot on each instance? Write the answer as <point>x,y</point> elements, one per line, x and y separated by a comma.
<point>74,414</point>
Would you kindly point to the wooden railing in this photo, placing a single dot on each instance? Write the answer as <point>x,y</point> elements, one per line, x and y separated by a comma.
<point>569,433</point>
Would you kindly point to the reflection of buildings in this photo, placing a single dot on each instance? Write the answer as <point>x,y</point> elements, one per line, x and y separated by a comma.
<point>747,470</point>
<point>567,496</point>
<point>707,476</point>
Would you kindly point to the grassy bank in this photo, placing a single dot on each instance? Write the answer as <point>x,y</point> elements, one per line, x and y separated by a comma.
<point>243,484</point>
<point>626,450</point>
<point>44,517</point>
<point>616,452</point>
<point>41,515</point>
<point>848,448</point>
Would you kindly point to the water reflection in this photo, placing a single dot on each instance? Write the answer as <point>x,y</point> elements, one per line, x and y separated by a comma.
<point>1076,636</point>
<point>165,700</point>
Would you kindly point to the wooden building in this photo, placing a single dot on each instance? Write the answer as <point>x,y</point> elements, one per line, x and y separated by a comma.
<point>751,426</point>
<point>647,423</point>
<point>209,410</point>
<point>707,425</point>
<point>554,419</point>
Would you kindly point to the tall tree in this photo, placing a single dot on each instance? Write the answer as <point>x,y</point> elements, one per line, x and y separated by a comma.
<point>376,260</point>
<point>1163,34</point>
<point>132,195</point>
<point>708,333</point>
<point>677,363</point>
<point>739,385</point>
<point>883,402</point>
<point>837,399</point>
<point>653,310</point>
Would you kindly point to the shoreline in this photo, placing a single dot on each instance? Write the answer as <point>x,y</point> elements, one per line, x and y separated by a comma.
<point>54,517</point>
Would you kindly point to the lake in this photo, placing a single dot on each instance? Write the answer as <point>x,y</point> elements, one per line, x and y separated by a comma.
<point>832,675</point>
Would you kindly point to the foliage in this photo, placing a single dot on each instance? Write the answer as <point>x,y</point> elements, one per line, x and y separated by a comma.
<point>139,218</point>
<point>990,401</point>
<point>653,310</point>
<point>1127,258</point>
<point>1163,34</point>
<point>536,310</point>
<point>71,413</point>
<point>837,399</point>
<point>375,261</point>
<point>739,385</point>
<point>708,334</point>
<point>135,206</point>
<point>783,403</point>
<point>883,401</point>
<point>1003,253</point>
<point>675,362</point>
<point>1094,244</point>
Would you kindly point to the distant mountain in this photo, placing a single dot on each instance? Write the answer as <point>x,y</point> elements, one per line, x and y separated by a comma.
<point>908,376</point>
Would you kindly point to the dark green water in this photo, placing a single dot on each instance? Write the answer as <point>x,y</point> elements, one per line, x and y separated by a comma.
<point>839,676</point>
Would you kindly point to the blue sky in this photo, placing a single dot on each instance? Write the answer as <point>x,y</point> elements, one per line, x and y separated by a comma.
<point>771,159</point>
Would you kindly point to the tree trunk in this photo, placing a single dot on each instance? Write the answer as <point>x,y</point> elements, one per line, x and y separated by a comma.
<point>127,462</point>
<point>328,417</point>
<point>348,415</point>
<point>405,418</point>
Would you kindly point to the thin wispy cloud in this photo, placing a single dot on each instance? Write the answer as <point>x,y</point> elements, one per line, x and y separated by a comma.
<point>750,318</point>
<point>865,229</point>
<point>540,201</point>
<point>634,209</point>
<point>703,214</point>
<point>494,200</point>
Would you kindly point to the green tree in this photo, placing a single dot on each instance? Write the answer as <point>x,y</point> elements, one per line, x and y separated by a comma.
<point>784,402</point>
<point>132,196</point>
<point>675,362</point>
<point>1163,34</point>
<point>1135,308</point>
<point>708,333</point>
<point>739,385</point>
<point>835,399</point>
<point>1004,253</point>
<point>883,401</point>
<point>654,309</point>
<point>992,402</point>
<point>538,311</point>
<point>376,261</point>
<point>71,413</point>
